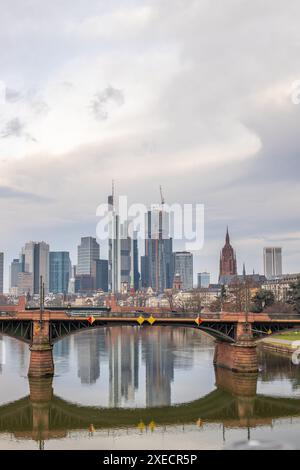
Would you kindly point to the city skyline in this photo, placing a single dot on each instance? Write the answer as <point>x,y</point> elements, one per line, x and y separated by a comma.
<point>88,257</point>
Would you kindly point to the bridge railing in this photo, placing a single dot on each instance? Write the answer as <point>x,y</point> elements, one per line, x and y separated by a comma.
<point>130,314</point>
<point>8,314</point>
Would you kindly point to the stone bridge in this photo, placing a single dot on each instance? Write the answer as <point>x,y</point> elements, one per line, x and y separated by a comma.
<point>236,334</point>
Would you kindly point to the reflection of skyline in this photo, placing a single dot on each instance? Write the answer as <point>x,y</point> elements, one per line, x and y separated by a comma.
<point>88,356</point>
<point>159,361</point>
<point>138,363</point>
<point>123,345</point>
<point>140,366</point>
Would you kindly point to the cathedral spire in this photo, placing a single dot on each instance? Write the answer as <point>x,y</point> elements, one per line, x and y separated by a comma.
<point>228,262</point>
<point>227,236</point>
<point>244,270</point>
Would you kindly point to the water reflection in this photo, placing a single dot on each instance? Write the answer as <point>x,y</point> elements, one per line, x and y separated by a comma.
<point>88,353</point>
<point>130,366</point>
<point>234,403</point>
<point>115,382</point>
<point>123,353</point>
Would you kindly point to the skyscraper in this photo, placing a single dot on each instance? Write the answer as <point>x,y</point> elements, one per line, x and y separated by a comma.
<point>88,251</point>
<point>36,262</point>
<point>15,269</point>
<point>272,261</point>
<point>102,274</point>
<point>59,276</point>
<point>1,272</point>
<point>157,264</point>
<point>183,266</point>
<point>114,248</point>
<point>25,283</point>
<point>228,265</point>
<point>135,283</point>
<point>126,257</point>
<point>88,254</point>
<point>203,280</point>
<point>122,253</point>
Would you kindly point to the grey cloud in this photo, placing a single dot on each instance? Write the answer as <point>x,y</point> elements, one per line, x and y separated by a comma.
<point>102,100</point>
<point>7,192</point>
<point>12,96</point>
<point>15,128</point>
<point>225,58</point>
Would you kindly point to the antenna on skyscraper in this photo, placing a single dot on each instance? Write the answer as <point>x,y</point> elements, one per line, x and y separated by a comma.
<point>113,190</point>
<point>111,197</point>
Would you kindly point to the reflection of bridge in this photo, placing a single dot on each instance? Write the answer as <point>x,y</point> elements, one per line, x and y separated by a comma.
<point>235,332</point>
<point>234,403</point>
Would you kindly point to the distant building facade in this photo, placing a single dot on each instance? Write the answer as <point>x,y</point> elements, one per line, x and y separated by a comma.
<point>25,283</point>
<point>102,275</point>
<point>135,264</point>
<point>87,252</point>
<point>35,256</point>
<point>1,272</point>
<point>157,263</point>
<point>280,285</point>
<point>203,280</point>
<point>60,271</point>
<point>14,270</point>
<point>84,283</point>
<point>272,261</point>
<point>183,267</point>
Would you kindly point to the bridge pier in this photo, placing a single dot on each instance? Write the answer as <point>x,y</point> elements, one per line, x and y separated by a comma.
<point>243,387</point>
<point>41,393</point>
<point>240,356</point>
<point>238,384</point>
<point>41,355</point>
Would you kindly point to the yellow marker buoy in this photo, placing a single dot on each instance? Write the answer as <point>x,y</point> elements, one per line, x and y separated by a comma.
<point>141,426</point>
<point>91,429</point>
<point>152,426</point>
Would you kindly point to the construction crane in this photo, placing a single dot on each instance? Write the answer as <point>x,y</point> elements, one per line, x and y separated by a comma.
<point>161,196</point>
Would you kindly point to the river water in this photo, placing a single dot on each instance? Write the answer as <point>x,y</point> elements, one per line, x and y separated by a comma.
<point>144,388</point>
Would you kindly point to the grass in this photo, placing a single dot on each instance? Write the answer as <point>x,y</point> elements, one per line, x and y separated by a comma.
<point>292,336</point>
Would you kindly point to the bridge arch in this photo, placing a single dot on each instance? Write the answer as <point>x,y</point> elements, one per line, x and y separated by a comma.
<point>61,329</point>
<point>19,330</point>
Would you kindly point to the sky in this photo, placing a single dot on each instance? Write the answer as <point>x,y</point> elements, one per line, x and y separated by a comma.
<point>196,96</point>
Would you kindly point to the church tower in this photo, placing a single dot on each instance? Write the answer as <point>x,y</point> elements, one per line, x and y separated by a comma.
<point>228,265</point>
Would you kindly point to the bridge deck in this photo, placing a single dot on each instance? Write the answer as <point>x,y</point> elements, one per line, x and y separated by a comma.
<point>7,313</point>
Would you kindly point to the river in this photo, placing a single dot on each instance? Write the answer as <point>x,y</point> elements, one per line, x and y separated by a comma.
<point>144,388</point>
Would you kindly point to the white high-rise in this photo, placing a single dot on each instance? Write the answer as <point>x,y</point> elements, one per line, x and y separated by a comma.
<point>114,249</point>
<point>121,249</point>
<point>1,272</point>
<point>272,262</point>
<point>36,262</point>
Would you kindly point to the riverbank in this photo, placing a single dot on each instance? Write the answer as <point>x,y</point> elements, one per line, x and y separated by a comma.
<point>283,343</point>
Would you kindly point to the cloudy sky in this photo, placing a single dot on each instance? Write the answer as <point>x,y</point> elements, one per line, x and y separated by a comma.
<point>194,95</point>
